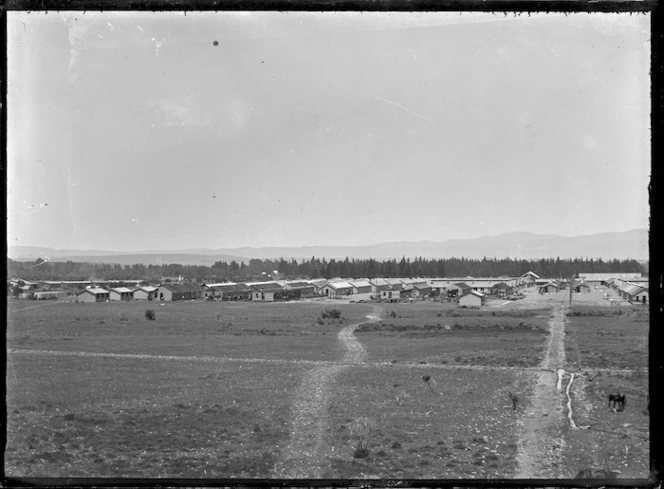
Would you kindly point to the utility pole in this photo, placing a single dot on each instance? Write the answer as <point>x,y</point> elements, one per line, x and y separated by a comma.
<point>571,288</point>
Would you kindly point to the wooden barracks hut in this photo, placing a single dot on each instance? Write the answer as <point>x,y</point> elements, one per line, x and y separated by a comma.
<point>93,295</point>
<point>179,292</point>
<point>471,298</point>
<point>121,294</point>
<point>145,293</point>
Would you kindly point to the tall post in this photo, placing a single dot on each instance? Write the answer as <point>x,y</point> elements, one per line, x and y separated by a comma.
<point>571,289</point>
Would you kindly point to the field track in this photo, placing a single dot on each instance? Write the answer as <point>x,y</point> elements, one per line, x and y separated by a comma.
<point>304,457</point>
<point>540,447</point>
<point>316,363</point>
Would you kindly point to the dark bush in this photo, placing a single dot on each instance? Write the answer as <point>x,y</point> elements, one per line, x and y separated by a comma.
<point>331,313</point>
<point>150,315</point>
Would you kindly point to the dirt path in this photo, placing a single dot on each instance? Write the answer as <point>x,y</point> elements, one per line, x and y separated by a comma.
<point>314,363</point>
<point>303,457</point>
<point>540,443</point>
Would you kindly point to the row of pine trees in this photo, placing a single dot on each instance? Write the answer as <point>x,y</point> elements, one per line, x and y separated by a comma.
<point>256,269</point>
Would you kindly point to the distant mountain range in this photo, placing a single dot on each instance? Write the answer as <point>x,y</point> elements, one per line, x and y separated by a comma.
<point>517,245</point>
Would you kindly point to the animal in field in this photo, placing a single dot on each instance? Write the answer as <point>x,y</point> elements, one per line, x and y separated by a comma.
<point>428,380</point>
<point>597,474</point>
<point>617,401</point>
<point>515,400</point>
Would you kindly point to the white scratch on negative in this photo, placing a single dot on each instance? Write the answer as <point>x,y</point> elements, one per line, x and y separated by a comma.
<point>402,107</point>
<point>139,28</point>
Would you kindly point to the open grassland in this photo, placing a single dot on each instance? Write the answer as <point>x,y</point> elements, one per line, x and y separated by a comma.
<point>248,390</point>
<point>609,346</point>
<point>99,417</point>
<point>448,335</point>
<point>607,337</point>
<point>285,331</point>
<point>616,440</point>
<point>458,424</point>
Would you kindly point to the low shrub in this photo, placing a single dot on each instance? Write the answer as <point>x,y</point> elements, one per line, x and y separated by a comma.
<point>150,315</point>
<point>331,313</point>
<point>361,431</point>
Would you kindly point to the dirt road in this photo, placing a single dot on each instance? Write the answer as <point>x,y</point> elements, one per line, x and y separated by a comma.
<point>540,437</point>
<point>304,456</point>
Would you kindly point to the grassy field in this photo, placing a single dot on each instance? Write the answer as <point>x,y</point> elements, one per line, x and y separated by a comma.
<point>275,331</point>
<point>600,339</point>
<point>448,335</point>
<point>208,389</point>
<point>607,337</point>
<point>464,427</point>
<point>101,417</point>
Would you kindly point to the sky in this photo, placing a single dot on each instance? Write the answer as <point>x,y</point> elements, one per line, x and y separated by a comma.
<point>134,131</point>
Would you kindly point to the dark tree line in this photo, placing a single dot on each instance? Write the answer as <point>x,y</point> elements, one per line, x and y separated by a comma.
<point>315,267</point>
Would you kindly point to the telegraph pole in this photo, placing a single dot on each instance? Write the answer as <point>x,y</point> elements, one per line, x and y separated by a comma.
<point>571,288</point>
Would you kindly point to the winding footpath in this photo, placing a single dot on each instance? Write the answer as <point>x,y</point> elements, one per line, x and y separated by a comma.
<point>303,457</point>
<point>540,445</point>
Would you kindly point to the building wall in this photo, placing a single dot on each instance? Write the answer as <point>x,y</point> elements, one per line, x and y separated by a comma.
<point>90,297</point>
<point>263,296</point>
<point>421,293</point>
<point>144,295</point>
<point>120,296</point>
<point>470,300</point>
<point>642,298</point>
<point>235,296</point>
<point>390,295</point>
<point>164,294</point>
<point>58,294</point>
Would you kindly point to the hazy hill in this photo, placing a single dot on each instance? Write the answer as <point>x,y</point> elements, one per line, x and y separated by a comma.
<point>625,245</point>
<point>24,253</point>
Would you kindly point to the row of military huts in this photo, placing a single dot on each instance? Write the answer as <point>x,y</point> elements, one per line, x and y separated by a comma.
<point>629,291</point>
<point>384,289</point>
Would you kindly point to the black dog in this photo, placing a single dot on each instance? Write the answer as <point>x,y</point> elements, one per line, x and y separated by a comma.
<point>617,402</point>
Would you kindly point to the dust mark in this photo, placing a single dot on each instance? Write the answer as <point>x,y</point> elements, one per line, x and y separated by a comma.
<point>35,207</point>
<point>157,43</point>
<point>404,108</point>
<point>140,28</point>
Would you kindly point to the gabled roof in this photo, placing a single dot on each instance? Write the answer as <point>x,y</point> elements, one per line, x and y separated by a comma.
<point>340,285</point>
<point>298,285</point>
<point>633,289</point>
<point>94,291</point>
<point>379,282</point>
<point>122,290</point>
<point>220,284</point>
<point>462,285</point>
<point>471,292</point>
<point>183,287</point>
<point>421,286</point>
<point>267,287</point>
<point>147,288</point>
<point>360,283</point>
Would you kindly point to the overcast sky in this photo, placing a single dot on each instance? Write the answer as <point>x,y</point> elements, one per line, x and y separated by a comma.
<point>135,131</point>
